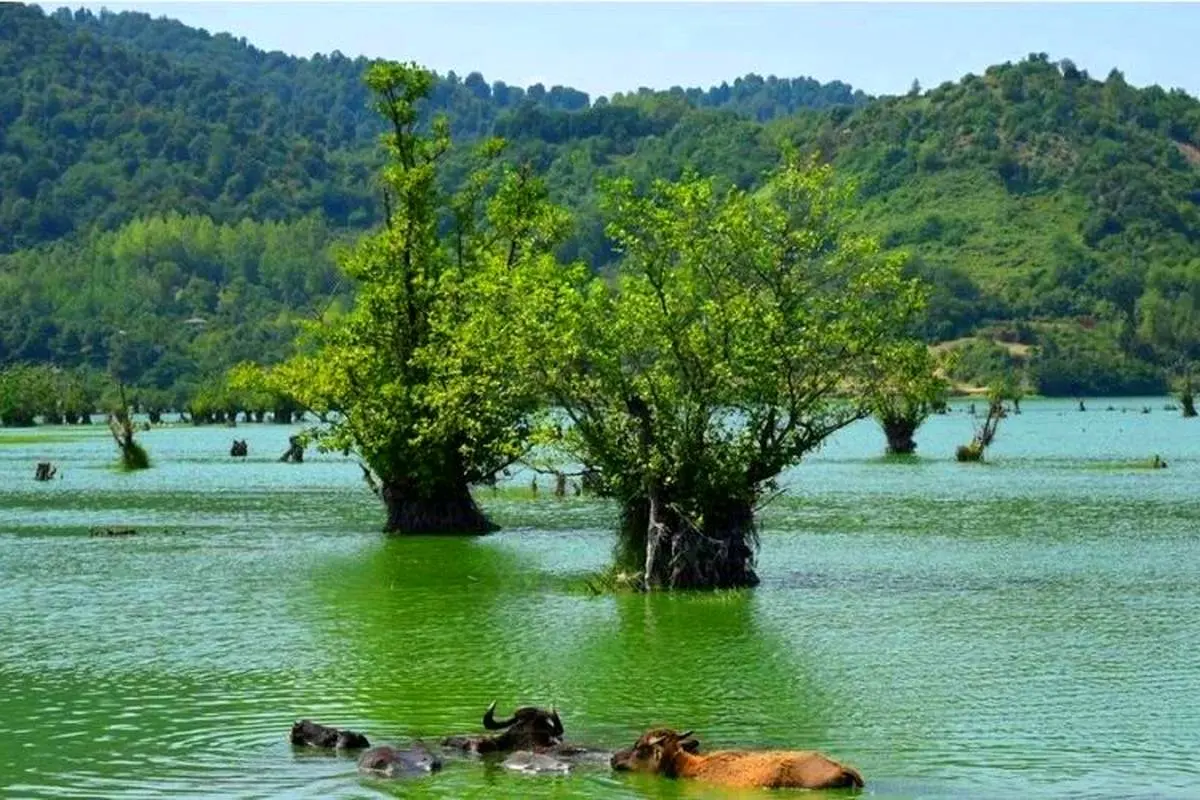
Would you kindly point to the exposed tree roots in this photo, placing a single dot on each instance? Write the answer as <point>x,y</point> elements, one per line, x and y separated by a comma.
<point>674,552</point>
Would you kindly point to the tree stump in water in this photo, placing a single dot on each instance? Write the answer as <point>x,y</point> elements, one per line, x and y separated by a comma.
<point>45,471</point>
<point>133,455</point>
<point>560,485</point>
<point>589,482</point>
<point>295,451</point>
<point>1188,400</point>
<point>969,452</point>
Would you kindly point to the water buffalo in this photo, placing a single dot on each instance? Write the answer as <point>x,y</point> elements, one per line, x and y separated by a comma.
<point>529,728</point>
<point>676,755</point>
<point>307,733</point>
<point>391,762</point>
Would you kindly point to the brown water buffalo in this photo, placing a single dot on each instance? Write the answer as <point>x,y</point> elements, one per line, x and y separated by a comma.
<point>392,762</point>
<point>676,755</point>
<point>529,728</point>
<point>307,733</point>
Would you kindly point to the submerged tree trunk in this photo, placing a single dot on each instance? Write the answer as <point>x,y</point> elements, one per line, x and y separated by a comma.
<point>447,509</point>
<point>1188,400</point>
<point>899,431</point>
<point>671,552</point>
<point>133,455</point>
<point>295,451</point>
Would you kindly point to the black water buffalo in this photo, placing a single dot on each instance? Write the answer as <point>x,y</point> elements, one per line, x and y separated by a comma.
<point>391,762</point>
<point>307,733</point>
<point>529,728</point>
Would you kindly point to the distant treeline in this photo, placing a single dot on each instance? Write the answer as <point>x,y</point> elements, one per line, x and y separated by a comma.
<point>170,200</point>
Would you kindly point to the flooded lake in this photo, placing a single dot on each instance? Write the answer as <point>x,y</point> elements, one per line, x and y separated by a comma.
<point>1028,627</point>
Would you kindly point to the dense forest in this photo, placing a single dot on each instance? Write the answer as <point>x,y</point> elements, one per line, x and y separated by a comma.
<point>172,202</point>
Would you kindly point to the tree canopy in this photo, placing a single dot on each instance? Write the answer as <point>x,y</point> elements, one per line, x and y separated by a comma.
<point>738,331</point>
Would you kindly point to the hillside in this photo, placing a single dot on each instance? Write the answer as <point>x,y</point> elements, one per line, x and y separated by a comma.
<point>195,185</point>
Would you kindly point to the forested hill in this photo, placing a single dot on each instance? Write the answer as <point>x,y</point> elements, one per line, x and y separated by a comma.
<point>333,84</point>
<point>114,115</point>
<point>185,189</point>
<point>1037,194</point>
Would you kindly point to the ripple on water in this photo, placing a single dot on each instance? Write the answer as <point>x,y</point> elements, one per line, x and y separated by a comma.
<point>1025,629</point>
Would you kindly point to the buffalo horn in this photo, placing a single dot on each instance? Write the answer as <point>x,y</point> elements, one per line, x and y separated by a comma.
<point>558,726</point>
<point>489,719</point>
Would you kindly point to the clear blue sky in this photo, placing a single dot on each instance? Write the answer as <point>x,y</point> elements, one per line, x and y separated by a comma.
<point>602,48</point>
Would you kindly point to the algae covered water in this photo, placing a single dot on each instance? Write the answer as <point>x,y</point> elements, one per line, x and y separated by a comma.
<point>1027,627</point>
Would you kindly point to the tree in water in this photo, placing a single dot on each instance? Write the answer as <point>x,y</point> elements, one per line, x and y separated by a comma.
<point>133,455</point>
<point>1187,396</point>
<point>258,393</point>
<point>738,332</point>
<point>408,379</point>
<point>906,399</point>
<point>985,434</point>
<point>26,390</point>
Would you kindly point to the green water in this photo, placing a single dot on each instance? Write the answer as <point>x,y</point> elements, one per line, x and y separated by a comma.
<point>1024,628</point>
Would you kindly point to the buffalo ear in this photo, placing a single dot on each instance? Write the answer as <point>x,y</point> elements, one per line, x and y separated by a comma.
<point>690,745</point>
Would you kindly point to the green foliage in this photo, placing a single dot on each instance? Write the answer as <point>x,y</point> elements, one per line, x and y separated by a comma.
<point>1031,192</point>
<point>134,457</point>
<point>419,391</point>
<point>96,134</point>
<point>904,399</point>
<point>30,391</point>
<point>1076,362</point>
<point>715,357</point>
<point>167,304</point>
<point>982,362</point>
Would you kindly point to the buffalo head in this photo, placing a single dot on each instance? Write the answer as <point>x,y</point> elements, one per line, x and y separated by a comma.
<point>529,728</point>
<point>655,751</point>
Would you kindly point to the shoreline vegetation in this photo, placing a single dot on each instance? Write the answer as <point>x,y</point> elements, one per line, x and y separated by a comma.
<point>1044,207</point>
<point>715,330</point>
